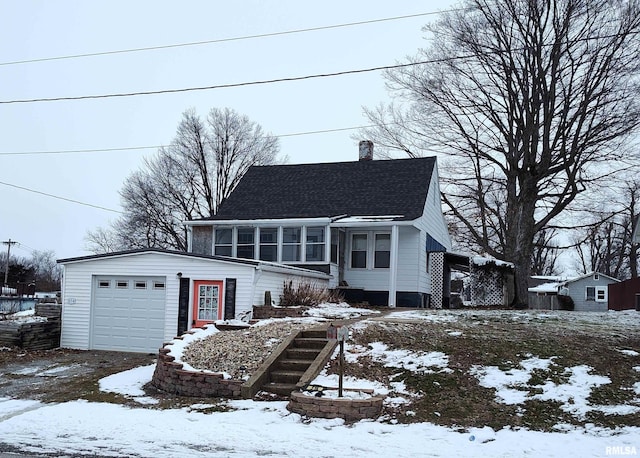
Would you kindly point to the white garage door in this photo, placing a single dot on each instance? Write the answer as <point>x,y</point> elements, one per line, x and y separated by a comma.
<point>128,313</point>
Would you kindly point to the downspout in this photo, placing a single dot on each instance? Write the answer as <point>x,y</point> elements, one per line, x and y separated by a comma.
<point>393,266</point>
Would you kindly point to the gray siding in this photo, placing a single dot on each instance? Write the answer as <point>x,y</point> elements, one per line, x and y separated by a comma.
<point>578,292</point>
<point>202,240</point>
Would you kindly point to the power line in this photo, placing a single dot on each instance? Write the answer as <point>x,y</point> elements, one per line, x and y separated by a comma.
<point>60,198</point>
<point>278,80</point>
<point>232,85</point>
<point>130,148</point>
<point>223,40</point>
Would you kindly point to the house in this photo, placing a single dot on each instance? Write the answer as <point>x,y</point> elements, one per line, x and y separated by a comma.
<point>587,293</point>
<point>374,227</point>
<point>136,300</point>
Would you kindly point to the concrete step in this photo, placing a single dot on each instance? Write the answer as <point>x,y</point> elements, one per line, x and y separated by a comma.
<point>280,376</point>
<point>294,364</point>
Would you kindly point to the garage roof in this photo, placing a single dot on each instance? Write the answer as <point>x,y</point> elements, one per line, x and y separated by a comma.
<point>272,266</point>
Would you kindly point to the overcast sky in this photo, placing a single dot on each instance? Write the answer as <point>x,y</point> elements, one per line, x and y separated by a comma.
<point>34,30</point>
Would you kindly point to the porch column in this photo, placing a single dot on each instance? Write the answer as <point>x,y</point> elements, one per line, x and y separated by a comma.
<point>393,266</point>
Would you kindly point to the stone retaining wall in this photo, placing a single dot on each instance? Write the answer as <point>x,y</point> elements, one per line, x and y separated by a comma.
<point>348,409</point>
<point>263,312</point>
<point>171,378</point>
<point>41,335</point>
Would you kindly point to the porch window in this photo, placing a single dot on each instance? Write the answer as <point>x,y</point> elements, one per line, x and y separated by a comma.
<point>382,254</point>
<point>335,238</point>
<point>224,242</point>
<point>246,243</point>
<point>291,243</point>
<point>315,244</point>
<point>359,251</point>
<point>269,244</point>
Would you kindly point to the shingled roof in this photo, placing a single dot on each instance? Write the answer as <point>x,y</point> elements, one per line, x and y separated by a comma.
<point>363,188</point>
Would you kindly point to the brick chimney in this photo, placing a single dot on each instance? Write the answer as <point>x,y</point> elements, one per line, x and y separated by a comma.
<point>366,150</point>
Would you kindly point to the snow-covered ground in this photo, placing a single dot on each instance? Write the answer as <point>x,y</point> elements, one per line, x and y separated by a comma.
<point>259,428</point>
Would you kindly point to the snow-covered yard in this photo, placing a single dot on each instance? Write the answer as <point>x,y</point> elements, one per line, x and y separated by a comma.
<point>258,428</point>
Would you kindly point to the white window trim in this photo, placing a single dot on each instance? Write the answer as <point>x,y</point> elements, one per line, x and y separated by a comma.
<point>597,289</point>
<point>367,251</point>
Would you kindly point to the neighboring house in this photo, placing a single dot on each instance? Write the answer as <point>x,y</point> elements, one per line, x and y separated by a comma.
<point>589,293</point>
<point>625,295</point>
<point>136,300</point>
<point>375,227</point>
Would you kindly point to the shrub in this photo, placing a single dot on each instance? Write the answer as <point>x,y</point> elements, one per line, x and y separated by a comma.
<point>307,294</point>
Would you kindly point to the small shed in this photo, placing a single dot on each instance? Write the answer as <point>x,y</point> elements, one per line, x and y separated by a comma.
<point>136,300</point>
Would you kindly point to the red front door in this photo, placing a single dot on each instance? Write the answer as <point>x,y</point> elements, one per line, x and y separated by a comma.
<point>207,302</point>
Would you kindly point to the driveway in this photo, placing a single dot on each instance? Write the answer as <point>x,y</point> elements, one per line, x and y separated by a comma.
<point>61,375</point>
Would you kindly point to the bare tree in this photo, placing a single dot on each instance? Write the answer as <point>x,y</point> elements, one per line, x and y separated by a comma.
<point>530,103</point>
<point>606,244</point>
<point>188,179</point>
<point>46,270</point>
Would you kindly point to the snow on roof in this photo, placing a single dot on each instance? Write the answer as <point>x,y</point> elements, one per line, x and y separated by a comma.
<point>368,219</point>
<point>551,287</point>
<point>483,261</point>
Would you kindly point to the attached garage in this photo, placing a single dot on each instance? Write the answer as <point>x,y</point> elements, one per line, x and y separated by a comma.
<point>128,313</point>
<point>136,300</point>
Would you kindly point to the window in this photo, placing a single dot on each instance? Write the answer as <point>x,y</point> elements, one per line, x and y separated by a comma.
<point>269,244</point>
<point>335,240</point>
<point>601,294</point>
<point>246,243</point>
<point>315,244</point>
<point>382,253</point>
<point>596,277</point>
<point>359,251</point>
<point>158,285</point>
<point>291,243</point>
<point>104,284</point>
<point>141,285</point>
<point>224,242</point>
<point>591,293</point>
<point>122,284</point>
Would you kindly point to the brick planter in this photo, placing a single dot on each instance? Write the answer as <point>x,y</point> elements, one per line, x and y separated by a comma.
<point>348,409</point>
<point>171,378</point>
<point>267,311</point>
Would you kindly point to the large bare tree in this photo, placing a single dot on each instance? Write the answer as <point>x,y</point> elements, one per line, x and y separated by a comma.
<point>529,102</point>
<point>188,179</point>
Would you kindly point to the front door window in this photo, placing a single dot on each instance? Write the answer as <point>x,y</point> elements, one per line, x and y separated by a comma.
<point>206,302</point>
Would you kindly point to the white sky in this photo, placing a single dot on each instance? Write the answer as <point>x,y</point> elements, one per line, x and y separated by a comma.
<point>40,29</point>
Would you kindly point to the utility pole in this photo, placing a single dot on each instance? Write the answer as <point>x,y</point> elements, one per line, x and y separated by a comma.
<point>6,269</point>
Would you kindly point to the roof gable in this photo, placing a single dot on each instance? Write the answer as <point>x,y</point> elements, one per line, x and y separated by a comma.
<point>363,188</point>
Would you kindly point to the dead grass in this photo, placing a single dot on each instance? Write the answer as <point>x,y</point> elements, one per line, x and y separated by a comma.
<point>457,399</point>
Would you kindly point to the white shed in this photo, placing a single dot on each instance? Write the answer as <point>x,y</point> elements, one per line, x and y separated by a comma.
<point>136,300</point>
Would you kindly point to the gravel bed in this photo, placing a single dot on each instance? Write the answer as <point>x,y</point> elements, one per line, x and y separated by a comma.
<point>239,353</point>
